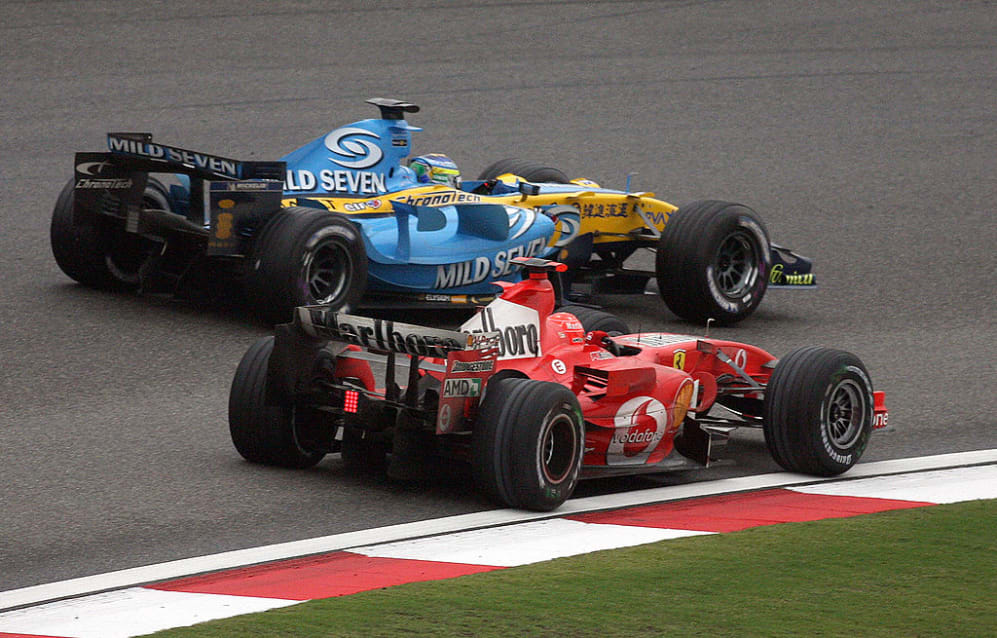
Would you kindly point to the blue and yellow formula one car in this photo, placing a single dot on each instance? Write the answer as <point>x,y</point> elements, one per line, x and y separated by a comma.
<point>348,220</point>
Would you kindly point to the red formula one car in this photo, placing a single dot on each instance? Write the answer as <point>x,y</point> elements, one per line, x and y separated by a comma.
<point>536,399</point>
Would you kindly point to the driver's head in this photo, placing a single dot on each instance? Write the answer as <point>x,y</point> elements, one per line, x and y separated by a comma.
<point>435,168</point>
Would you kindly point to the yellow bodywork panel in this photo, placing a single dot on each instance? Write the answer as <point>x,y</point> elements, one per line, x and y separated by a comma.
<point>608,216</point>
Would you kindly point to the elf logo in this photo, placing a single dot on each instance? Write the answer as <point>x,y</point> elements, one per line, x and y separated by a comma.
<point>462,388</point>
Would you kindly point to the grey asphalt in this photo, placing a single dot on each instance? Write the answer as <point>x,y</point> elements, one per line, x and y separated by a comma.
<point>864,133</point>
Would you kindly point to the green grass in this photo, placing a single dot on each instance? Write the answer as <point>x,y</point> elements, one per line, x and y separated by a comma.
<point>922,572</point>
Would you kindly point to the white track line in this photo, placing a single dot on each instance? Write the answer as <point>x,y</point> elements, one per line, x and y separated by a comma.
<point>134,611</point>
<point>975,483</point>
<point>523,543</point>
<point>464,522</point>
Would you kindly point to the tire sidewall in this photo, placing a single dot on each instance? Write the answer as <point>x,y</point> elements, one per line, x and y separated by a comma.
<point>537,490</point>
<point>263,433</point>
<point>345,237</point>
<point>732,223</point>
<point>277,280</point>
<point>507,443</point>
<point>832,454</point>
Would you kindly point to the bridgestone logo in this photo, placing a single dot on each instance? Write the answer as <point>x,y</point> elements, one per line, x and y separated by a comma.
<point>473,366</point>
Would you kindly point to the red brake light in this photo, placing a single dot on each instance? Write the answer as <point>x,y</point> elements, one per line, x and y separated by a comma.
<point>351,401</point>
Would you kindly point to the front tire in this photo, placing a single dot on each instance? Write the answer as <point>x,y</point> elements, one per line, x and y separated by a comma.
<point>263,433</point>
<point>713,262</point>
<point>818,411</point>
<point>527,444</point>
<point>305,256</point>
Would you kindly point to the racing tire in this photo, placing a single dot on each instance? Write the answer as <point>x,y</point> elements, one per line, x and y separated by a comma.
<point>713,262</point>
<point>302,257</point>
<point>527,444</point>
<point>156,195</point>
<point>530,171</point>
<point>100,255</point>
<point>818,411</point>
<point>263,433</point>
<point>593,319</point>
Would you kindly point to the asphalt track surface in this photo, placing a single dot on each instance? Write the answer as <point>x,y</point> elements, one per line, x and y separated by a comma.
<point>862,132</point>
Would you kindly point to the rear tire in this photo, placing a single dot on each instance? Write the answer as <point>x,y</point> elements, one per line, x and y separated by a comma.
<point>530,171</point>
<point>102,254</point>
<point>305,256</point>
<point>527,444</point>
<point>592,319</point>
<point>263,433</point>
<point>818,411</point>
<point>713,262</point>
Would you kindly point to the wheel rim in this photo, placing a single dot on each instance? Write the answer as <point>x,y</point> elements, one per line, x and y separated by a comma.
<point>294,430</point>
<point>558,448</point>
<point>845,414</point>
<point>327,271</point>
<point>736,265</point>
<point>126,254</point>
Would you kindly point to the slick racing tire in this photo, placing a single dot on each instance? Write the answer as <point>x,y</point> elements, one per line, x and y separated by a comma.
<point>529,171</point>
<point>818,411</point>
<point>713,262</point>
<point>263,433</point>
<point>302,257</point>
<point>527,443</point>
<point>593,319</point>
<point>100,254</point>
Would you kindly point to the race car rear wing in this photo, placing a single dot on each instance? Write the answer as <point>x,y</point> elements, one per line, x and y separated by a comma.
<point>140,153</point>
<point>469,358</point>
<point>224,198</point>
<point>319,322</point>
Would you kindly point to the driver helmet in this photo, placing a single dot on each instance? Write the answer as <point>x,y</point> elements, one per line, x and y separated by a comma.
<point>435,168</point>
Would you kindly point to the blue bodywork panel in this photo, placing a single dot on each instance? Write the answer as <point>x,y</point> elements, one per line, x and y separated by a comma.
<point>460,249</point>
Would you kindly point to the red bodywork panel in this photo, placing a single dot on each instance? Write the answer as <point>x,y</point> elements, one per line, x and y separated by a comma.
<point>633,405</point>
<point>634,391</point>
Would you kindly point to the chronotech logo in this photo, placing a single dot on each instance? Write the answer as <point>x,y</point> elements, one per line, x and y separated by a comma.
<point>358,153</point>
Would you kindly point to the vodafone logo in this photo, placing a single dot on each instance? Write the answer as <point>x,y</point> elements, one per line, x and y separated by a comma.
<point>640,425</point>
